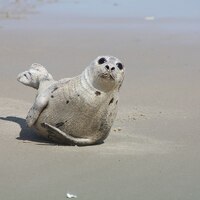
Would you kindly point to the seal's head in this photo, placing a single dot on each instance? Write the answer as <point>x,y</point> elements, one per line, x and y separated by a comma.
<point>105,73</point>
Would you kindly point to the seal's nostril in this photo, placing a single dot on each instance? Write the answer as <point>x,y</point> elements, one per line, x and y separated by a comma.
<point>107,67</point>
<point>112,68</point>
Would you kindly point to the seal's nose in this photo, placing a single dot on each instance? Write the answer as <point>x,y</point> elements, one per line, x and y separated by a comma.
<point>110,69</point>
<point>107,67</point>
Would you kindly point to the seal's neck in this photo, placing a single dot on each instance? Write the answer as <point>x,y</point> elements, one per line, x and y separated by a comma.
<point>94,81</point>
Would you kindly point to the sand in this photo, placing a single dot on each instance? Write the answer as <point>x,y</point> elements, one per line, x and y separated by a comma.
<point>153,149</point>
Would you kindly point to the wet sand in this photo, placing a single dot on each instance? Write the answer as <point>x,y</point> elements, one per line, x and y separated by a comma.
<point>153,149</point>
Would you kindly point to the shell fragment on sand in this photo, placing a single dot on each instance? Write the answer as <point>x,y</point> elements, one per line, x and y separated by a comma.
<point>70,196</point>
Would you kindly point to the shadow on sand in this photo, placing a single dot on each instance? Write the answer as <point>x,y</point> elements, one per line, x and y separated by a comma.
<point>26,133</point>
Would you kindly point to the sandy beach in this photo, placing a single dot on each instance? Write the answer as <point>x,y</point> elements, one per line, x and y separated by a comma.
<point>152,152</point>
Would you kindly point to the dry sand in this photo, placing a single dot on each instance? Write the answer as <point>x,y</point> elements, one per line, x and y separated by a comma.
<point>153,149</point>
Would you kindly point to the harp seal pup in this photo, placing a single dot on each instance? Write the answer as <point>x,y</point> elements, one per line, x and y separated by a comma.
<point>79,110</point>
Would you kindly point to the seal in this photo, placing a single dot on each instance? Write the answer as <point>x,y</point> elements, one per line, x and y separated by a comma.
<point>79,110</point>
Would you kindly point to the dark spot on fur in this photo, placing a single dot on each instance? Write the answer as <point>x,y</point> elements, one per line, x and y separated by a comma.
<point>59,124</point>
<point>52,96</point>
<point>43,125</point>
<point>119,86</point>
<point>111,101</point>
<point>98,93</point>
<point>67,101</point>
<point>54,89</point>
<point>78,95</point>
<point>116,102</point>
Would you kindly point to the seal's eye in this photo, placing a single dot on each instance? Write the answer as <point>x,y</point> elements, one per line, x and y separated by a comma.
<point>120,66</point>
<point>101,61</point>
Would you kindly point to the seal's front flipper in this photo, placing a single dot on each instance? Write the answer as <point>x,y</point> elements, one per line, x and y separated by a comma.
<point>32,116</point>
<point>61,137</point>
<point>39,105</point>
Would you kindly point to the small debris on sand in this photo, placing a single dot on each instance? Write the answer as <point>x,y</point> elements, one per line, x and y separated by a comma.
<point>70,196</point>
<point>117,129</point>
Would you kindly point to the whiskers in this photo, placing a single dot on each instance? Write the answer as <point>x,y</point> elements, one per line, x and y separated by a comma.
<point>107,75</point>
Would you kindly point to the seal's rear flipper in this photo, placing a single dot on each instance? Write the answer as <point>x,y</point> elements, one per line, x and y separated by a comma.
<point>26,79</point>
<point>34,75</point>
<point>59,136</point>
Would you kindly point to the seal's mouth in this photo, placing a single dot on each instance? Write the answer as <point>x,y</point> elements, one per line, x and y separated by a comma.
<point>107,75</point>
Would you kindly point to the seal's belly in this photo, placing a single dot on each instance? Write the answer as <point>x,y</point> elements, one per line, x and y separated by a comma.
<point>72,113</point>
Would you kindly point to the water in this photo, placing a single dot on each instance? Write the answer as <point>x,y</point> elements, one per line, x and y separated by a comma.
<point>112,8</point>
<point>178,15</point>
<point>134,8</point>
